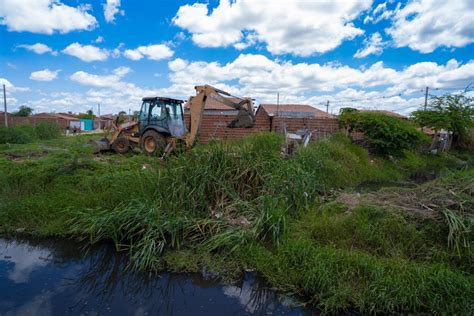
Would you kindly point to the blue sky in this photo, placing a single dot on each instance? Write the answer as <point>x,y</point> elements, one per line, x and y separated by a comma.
<point>69,55</point>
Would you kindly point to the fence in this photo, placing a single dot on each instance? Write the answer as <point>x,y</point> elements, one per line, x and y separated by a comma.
<point>32,120</point>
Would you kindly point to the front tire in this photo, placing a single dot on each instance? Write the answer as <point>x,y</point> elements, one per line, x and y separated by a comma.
<point>121,145</point>
<point>153,143</point>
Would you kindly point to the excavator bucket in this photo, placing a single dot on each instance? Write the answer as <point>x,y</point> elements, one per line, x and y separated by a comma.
<point>243,119</point>
<point>100,145</point>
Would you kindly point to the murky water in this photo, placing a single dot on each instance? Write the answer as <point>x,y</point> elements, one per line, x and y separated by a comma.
<point>59,278</point>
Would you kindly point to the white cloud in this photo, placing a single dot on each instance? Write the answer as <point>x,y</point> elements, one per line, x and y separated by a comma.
<point>154,52</point>
<point>86,53</point>
<point>102,81</point>
<point>99,39</point>
<point>381,12</point>
<point>380,8</point>
<point>373,45</point>
<point>298,27</point>
<point>44,75</point>
<point>372,86</point>
<point>110,90</point>
<point>10,90</point>
<point>39,48</point>
<point>45,16</point>
<point>133,54</point>
<point>262,78</point>
<point>111,8</point>
<point>425,25</point>
<point>10,87</point>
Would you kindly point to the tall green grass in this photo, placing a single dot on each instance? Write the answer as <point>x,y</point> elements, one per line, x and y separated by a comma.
<point>23,134</point>
<point>336,279</point>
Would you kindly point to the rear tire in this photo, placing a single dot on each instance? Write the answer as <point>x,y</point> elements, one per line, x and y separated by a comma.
<point>153,143</point>
<point>121,145</point>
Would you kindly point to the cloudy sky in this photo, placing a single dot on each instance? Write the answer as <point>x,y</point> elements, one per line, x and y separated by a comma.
<point>70,55</point>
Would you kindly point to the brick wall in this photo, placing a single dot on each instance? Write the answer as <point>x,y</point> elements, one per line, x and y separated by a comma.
<point>320,127</point>
<point>18,120</point>
<point>214,125</point>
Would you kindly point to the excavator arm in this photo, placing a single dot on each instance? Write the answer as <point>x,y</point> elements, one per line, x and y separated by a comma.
<point>245,116</point>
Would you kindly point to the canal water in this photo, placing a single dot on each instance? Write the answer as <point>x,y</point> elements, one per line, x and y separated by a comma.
<point>54,277</point>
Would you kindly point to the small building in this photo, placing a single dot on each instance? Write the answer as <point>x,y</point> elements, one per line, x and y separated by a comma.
<point>87,125</point>
<point>63,120</point>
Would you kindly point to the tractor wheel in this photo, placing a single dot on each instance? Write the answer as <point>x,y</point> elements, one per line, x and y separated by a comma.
<point>121,145</point>
<point>153,143</point>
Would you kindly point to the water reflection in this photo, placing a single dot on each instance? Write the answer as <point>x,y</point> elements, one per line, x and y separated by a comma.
<point>25,259</point>
<point>57,277</point>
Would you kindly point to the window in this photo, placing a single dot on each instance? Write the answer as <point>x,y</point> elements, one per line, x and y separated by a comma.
<point>156,111</point>
<point>174,111</point>
<point>144,111</point>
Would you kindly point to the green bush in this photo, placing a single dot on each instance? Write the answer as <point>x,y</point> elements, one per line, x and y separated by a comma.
<point>46,130</point>
<point>15,135</point>
<point>23,134</point>
<point>385,134</point>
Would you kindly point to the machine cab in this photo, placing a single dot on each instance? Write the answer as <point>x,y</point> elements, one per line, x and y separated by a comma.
<point>165,115</point>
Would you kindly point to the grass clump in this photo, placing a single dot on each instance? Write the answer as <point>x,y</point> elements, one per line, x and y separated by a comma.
<point>336,279</point>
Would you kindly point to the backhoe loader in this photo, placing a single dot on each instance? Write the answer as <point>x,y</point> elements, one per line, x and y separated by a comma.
<point>160,124</point>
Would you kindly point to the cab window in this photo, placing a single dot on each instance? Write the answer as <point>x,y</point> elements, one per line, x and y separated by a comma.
<point>174,111</point>
<point>156,111</point>
<point>144,111</point>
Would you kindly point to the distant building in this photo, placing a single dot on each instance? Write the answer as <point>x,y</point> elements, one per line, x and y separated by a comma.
<point>64,120</point>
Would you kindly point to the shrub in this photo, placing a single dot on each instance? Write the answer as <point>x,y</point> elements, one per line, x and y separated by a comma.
<point>46,130</point>
<point>385,134</point>
<point>15,135</point>
<point>23,134</point>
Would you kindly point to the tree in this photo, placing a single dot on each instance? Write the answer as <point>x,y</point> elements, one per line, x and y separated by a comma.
<point>452,112</point>
<point>88,115</point>
<point>23,111</point>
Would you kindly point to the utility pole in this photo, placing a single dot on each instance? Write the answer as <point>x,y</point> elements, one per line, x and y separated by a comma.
<point>5,106</point>
<point>327,107</point>
<point>426,97</point>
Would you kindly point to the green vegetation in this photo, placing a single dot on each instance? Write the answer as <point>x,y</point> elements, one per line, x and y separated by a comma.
<point>452,112</point>
<point>238,205</point>
<point>385,134</point>
<point>89,115</point>
<point>23,111</point>
<point>23,134</point>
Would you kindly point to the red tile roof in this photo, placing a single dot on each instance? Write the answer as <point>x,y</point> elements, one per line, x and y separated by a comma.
<point>294,110</point>
<point>68,117</point>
